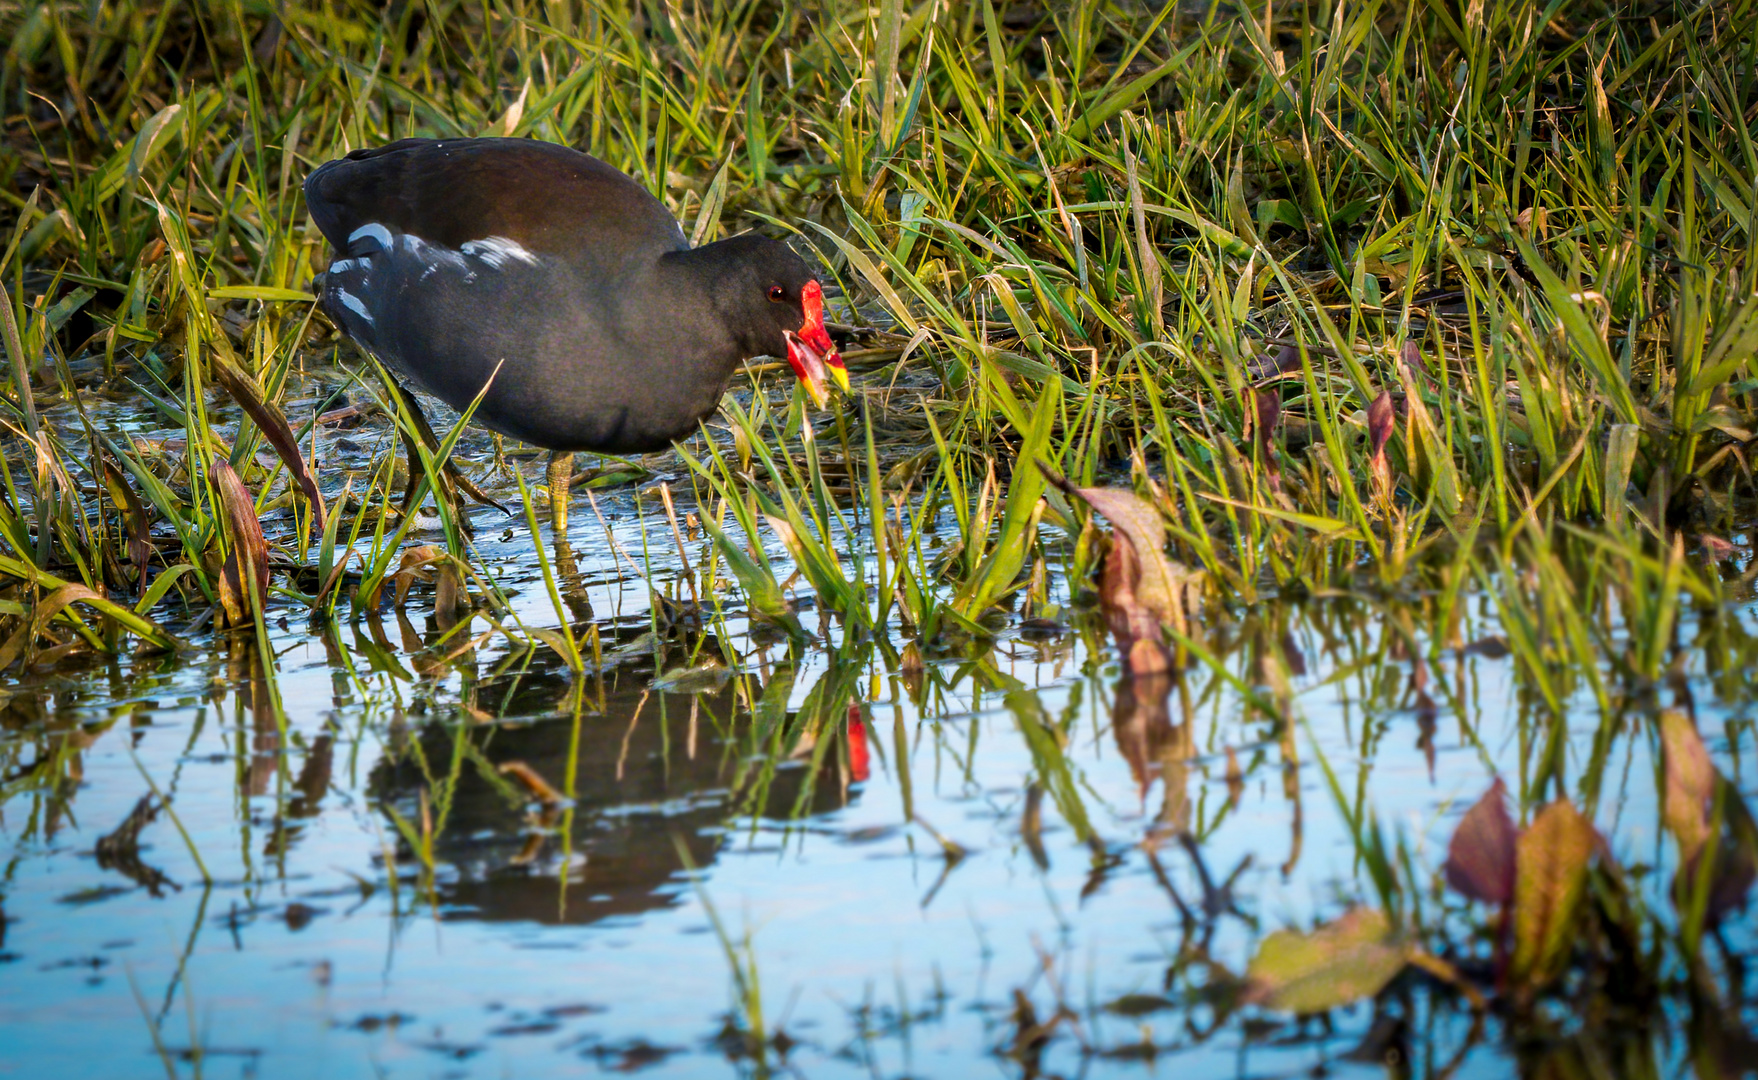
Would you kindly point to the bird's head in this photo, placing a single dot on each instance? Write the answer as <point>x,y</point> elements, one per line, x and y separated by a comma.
<point>782,306</point>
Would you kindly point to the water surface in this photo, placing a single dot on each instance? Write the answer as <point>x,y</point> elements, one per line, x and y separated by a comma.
<point>815,860</point>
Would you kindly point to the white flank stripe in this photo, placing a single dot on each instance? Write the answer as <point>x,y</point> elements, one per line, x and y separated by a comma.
<point>372,231</point>
<point>433,255</point>
<point>352,303</point>
<point>344,266</point>
<point>497,251</point>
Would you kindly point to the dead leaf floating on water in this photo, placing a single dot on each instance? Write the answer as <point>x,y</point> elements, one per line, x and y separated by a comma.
<point>1340,962</point>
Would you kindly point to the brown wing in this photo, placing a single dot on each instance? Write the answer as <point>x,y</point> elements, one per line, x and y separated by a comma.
<point>550,199</point>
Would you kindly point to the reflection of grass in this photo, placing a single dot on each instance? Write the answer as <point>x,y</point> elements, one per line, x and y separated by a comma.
<point>164,1052</point>
<point>746,1037</point>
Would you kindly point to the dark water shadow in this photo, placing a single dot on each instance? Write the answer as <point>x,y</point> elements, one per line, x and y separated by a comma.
<point>655,775</point>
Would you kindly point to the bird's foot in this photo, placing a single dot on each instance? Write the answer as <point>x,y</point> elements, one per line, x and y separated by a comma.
<point>468,487</point>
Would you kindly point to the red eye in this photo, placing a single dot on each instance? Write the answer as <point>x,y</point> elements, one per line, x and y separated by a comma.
<point>777,293</point>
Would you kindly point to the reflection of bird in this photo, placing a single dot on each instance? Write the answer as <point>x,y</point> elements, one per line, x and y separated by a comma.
<point>558,289</point>
<point>648,768</point>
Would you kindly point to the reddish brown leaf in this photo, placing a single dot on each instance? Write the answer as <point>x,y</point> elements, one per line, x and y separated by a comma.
<point>412,567</point>
<point>1140,589</point>
<point>244,578</point>
<point>1267,404</point>
<point>1549,883</point>
<point>1147,656</point>
<point>1133,622</point>
<point>913,671</point>
<point>134,517</point>
<point>273,424</point>
<point>1381,419</point>
<point>1690,783</point>
<point>429,562</point>
<point>534,783</point>
<point>1688,811</point>
<point>1410,356</point>
<point>1286,358</point>
<point>1716,548</point>
<point>1480,858</point>
<point>449,599</point>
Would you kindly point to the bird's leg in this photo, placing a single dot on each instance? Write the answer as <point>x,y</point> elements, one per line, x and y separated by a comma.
<point>451,480</point>
<point>442,489</point>
<point>560,479</point>
<point>413,481</point>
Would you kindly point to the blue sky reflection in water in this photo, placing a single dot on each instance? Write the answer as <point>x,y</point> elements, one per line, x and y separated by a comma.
<point>566,943</point>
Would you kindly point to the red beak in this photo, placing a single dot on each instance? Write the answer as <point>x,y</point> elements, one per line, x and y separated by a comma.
<point>810,352</point>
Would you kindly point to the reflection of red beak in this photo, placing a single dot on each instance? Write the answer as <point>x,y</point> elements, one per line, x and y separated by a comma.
<point>810,351</point>
<point>857,744</point>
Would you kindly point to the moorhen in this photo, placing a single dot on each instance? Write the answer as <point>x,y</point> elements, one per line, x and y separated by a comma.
<point>562,286</point>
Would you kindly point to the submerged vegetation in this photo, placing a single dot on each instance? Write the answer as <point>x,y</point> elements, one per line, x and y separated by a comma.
<point>1170,323</point>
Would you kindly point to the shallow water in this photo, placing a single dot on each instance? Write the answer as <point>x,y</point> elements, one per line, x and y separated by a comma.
<point>1014,826</point>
